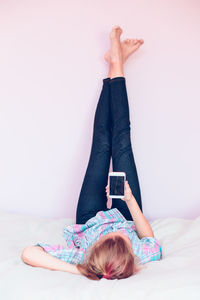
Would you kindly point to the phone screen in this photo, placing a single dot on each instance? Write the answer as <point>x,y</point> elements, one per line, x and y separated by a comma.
<point>117,185</point>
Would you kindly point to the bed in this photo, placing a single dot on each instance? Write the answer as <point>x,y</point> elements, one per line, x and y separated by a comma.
<point>176,276</point>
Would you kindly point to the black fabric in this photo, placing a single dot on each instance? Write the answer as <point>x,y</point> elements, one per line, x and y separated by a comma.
<point>111,137</point>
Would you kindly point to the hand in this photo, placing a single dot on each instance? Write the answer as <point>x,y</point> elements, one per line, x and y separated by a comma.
<point>127,193</point>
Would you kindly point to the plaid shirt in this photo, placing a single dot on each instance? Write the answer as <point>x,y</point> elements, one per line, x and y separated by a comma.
<point>79,238</point>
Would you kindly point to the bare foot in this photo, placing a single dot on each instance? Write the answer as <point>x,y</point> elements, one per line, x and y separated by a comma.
<point>116,32</point>
<point>128,46</point>
<point>115,45</point>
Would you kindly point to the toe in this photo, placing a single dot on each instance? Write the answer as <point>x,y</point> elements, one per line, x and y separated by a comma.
<point>136,42</point>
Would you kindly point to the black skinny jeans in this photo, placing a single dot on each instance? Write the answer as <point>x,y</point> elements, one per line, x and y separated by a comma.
<point>111,137</point>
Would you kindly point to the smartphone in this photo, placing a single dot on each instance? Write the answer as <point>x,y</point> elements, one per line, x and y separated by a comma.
<point>116,183</point>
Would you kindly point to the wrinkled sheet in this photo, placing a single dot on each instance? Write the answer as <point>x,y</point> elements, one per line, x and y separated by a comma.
<point>176,276</point>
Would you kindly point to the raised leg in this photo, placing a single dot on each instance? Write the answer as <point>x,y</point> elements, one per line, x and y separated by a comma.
<point>92,196</point>
<point>122,154</point>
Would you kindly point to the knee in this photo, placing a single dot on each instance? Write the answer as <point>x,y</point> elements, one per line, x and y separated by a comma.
<point>121,126</point>
<point>122,141</point>
<point>103,142</point>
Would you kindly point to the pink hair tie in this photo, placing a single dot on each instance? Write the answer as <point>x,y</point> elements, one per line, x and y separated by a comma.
<point>107,276</point>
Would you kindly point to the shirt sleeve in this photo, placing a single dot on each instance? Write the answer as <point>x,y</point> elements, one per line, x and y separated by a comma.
<point>151,249</point>
<point>73,256</point>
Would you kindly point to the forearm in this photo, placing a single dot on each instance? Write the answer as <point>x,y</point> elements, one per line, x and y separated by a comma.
<point>37,257</point>
<point>143,228</point>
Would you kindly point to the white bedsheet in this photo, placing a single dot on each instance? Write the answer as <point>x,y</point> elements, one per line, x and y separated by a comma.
<point>176,276</point>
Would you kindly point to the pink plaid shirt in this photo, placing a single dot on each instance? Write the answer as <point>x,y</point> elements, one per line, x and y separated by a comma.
<point>79,237</point>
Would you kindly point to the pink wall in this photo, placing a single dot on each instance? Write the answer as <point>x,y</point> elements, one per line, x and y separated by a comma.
<point>52,66</point>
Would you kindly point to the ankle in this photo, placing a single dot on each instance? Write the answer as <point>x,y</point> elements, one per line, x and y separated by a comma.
<point>116,70</point>
<point>116,75</point>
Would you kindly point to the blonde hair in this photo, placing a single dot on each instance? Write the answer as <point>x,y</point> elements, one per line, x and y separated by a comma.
<point>110,258</point>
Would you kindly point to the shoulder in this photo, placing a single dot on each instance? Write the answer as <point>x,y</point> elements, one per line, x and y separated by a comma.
<point>151,242</point>
<point>152,249</point>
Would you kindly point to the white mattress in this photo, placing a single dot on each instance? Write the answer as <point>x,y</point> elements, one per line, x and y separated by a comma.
<point>176,276</point>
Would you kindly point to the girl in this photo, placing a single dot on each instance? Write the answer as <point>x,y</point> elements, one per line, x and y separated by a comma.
<point>106,243</point>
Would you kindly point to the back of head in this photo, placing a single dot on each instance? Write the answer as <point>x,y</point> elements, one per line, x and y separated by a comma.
<point>110,258</point>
